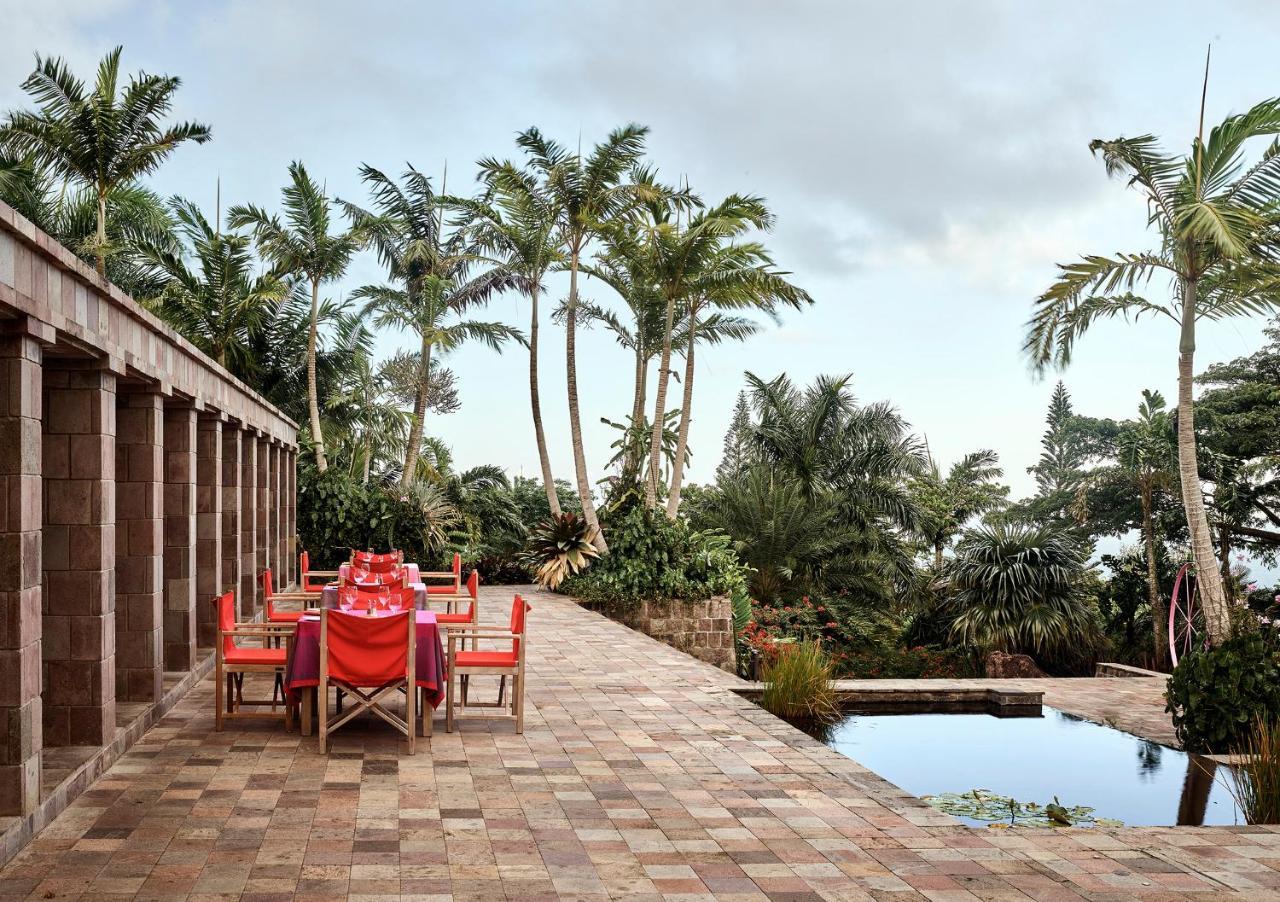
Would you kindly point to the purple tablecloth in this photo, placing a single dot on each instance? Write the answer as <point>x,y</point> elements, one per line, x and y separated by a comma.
<point>302,670</point>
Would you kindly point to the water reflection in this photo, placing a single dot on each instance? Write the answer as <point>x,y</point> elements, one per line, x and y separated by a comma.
<point>1035,759</point>
<point>1148,758</point>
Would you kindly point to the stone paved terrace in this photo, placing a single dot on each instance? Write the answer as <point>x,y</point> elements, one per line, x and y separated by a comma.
<point>640,775</point>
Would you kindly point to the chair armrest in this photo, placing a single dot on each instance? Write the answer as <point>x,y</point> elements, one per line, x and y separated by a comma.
<point>485,633</point>
<point>333,574</point>
<point>243,629</point>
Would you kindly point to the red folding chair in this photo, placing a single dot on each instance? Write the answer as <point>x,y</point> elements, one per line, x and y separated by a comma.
<point>284,615</point>
<point>454,577</point>
<point>452,619</point>
<point>501,663</point>
<point>360,577</point>
<point>233,662</point>
<point>369,659</point>
<point>376,563</point>
<point>307,576</point>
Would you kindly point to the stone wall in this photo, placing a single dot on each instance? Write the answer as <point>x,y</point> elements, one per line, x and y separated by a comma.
<point>703,629</point>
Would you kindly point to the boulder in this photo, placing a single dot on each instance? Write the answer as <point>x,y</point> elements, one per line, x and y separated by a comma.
<point>1004,666</point>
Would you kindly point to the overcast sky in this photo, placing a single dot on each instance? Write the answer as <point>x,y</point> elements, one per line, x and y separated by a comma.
<point>928,164</point>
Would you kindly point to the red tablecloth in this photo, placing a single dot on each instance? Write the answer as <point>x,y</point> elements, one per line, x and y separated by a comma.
<point>302,670</point>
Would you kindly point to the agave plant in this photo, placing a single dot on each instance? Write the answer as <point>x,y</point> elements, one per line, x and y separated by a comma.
<point>560,547</point>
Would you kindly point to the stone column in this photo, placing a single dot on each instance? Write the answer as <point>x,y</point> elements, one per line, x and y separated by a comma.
<point>180,538</point>
<point>79,641</point>
<point>291,513</point>
<point>277,514</point>
<point>262,480</point>
<point>208,526</point>
<point>21,520</point>
<point>140,546</point>
<point>250,601</point>
<point>231,504</point>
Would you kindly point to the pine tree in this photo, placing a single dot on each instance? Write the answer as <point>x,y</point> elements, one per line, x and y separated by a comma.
<point>1060,472</point>
<point>737,442</point>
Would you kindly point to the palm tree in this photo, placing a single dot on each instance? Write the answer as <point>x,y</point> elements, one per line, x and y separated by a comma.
<point>221,301</point>
<point>733,276</point>
<point>303,244</point>
<point>969,489</point>
<point>586,193</point>
<point>433,283</point>
<point>1218,237</point>
<point>98,139</point>
<point>1017,587</point>
<point>1147,451</point>
<point>516,225</point>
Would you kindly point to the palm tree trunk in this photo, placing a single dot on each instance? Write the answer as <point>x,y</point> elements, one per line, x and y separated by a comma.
<point>102,233</point>
<point>1209,581</point>
<point>635,456</point>
<point>313,394</point>
<point>411,451</point>
<point>1224,555</point>
<point>659,408</point>
<point>1158,617</point>
<point>575,421</point>
<point>686,414</point>
<point>937,554</point>
<point>535,405</point>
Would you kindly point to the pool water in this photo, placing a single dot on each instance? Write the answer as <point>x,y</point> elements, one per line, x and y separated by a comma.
<point>1033,759</point>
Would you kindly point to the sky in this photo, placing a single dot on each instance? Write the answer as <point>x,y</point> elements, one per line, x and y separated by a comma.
<point>928,164</point>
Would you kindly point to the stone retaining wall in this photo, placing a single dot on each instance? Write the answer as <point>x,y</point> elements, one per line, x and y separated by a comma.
<point>703,629</point>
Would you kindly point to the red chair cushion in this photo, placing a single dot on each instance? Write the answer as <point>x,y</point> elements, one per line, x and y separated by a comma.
<point>440,590</point>
<point>279,616</point>
<point>254,656</point>
<point>485,658</point>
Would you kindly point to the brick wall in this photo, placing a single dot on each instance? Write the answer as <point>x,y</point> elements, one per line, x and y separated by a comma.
<point>703,629</point>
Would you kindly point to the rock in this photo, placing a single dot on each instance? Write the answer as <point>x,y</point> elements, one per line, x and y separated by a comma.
<point>1004,666</point>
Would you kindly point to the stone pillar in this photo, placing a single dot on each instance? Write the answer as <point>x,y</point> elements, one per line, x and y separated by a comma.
<point>208,527</point>
<point>291,513</point>
<point>79,630</point>
<point>262,480</point>
<point>21,520</point>
<point>179,538</point>
<point>140,547</point>
<point>277,514</point>
<point>250,591</point>
<point>231,503</point>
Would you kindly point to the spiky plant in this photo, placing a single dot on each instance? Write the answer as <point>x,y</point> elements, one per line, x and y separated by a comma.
<point>559,547</point>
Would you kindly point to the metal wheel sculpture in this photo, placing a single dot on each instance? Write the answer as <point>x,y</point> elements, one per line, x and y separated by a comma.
<point>1186,615</point>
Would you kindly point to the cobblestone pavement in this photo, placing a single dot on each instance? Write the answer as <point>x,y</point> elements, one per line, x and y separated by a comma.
<point>640,774</point>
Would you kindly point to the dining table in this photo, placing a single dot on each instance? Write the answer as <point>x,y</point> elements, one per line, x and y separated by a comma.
<point>345,572</point>
<point>302,665</point>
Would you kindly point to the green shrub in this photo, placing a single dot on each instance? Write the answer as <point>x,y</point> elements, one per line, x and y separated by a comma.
<point>1215,694</point>
<point>915,663</point>
<point>798,684</point>
<point>651,556</point>
<point>560,547</point>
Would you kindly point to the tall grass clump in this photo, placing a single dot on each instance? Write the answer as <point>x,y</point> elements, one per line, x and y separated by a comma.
<point>1257,776</point>
<point>798,684</point>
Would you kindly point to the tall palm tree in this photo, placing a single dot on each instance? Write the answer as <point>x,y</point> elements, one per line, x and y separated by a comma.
<point>105,138</point>
<point>433,282</point>
<point>1146,450</point>
<point>221,300</point>
<point>734,276</point>
<point>302,243</point>
<point>1218,230</point>
<point>516,225</point>
<point>969,489</point>
<point>586,193</point>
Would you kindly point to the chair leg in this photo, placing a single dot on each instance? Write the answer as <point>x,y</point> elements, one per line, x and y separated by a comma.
<point>448,700</point>
<point>231,693</point>
<point>410,720</point>
<point>517,700</point>
<point>322,712</point>
<point>502,689</point>
<point>466,682</point>
<point>217,698</point>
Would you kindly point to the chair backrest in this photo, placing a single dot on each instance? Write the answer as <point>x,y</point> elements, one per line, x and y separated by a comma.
<point>362,596</point>
<point>227,618</point>
<point>268,592</point>
<point>518,609</point>
<point>364,577</point>
<point>473,584</point>
<point>366,651</point>
<point>377,563</point>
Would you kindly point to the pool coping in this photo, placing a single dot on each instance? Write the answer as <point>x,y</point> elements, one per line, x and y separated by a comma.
<point>857,695</point>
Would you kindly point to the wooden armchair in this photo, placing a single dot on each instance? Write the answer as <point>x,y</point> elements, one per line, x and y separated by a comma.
<point>233,662</point>
<point>502,663</point>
